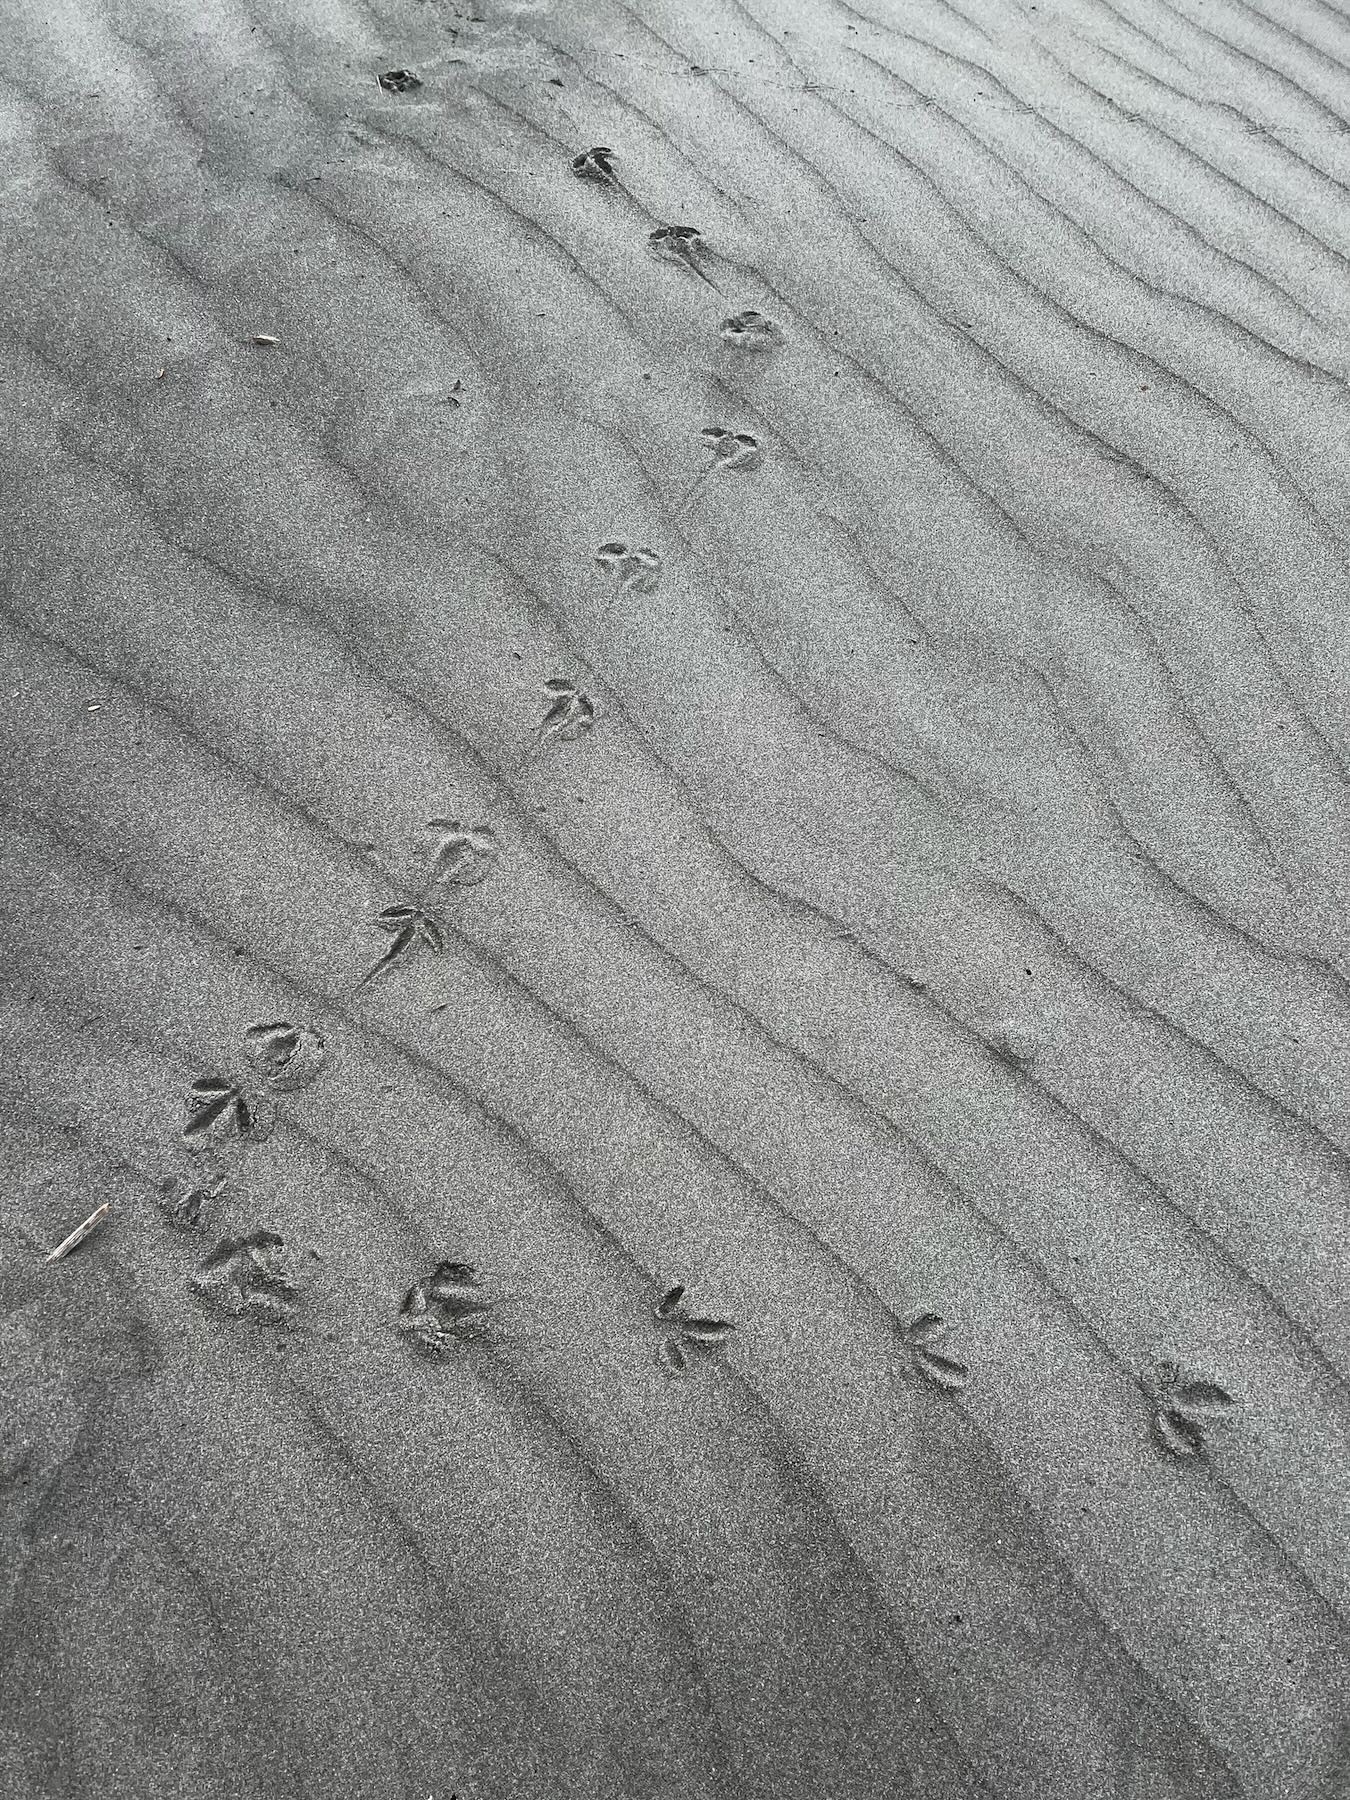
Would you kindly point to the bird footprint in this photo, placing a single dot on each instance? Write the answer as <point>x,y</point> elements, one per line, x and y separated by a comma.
<point>594,165</point>
<point>682,244</point>
<point>921,1335</point>
<point>451,1307</point>
<point>282,1058</point>
<point>410,928</point>
<point>184,1202</point>
<point>288,1057</point>
<point>635,571</point>
<point>219,1110</point>
<point>1187,1411</point>
<point>461,855</point>
<point>732,449</point>
<point>751,330</point>
<point>685,1335</point>
<point>249,1276</point>
<point>570,714</point>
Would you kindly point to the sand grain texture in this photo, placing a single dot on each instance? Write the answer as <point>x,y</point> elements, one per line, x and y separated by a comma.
<point>907,872</point>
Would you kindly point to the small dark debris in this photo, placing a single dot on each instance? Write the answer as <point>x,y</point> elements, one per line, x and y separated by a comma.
<point>399,81</point>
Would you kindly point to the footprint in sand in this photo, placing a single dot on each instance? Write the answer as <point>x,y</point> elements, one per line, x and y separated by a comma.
<point>249,1277</point>
<point>751,330</point>
<point>220,1109</point>
<point>411,929</point>
<point>685,1336</point>
<point>732,449</point>
<point>458,855</point>
<point>185,1203</point>
<point>595,165</point>
<point>570,714</point>
<point>1187,1410</point>
<point>286,1056</point>
<point>681,244</point>
<point>450,1307</point>
<point>634,571</point>
<point>399,81</point>
<point>922,1335</point>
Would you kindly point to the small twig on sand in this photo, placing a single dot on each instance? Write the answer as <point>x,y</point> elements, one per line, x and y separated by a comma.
<point>80,1233</point>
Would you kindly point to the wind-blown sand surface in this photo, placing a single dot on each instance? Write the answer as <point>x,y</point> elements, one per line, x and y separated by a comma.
<point>943,911</point>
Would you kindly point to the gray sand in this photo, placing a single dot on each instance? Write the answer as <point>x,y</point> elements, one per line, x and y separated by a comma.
<point>930,894</point>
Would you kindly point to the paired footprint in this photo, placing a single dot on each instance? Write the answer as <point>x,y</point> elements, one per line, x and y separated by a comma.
<point>223,1111</point>
<point>283,1058</point>
<point>452,854</point>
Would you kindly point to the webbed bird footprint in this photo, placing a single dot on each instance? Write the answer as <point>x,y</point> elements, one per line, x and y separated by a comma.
<point>249,1277</point>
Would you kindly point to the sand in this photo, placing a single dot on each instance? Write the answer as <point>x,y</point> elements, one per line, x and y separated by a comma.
<point>897,892</point>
